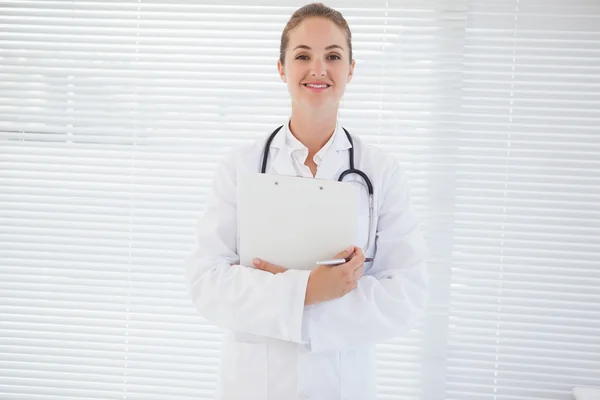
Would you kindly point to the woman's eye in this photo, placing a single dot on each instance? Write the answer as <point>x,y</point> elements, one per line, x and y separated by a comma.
<point>329,57</point>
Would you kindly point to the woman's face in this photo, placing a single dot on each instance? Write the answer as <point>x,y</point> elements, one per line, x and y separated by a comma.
<point>317,54</point>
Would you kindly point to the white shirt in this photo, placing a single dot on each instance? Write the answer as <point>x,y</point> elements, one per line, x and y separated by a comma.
<point>299,152</point>
<point>276,347</point>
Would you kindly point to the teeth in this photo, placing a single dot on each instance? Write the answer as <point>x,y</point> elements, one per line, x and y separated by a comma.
<point>316,86</point>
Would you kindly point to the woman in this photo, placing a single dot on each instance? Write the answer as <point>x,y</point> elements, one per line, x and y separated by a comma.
<point>296,334</point>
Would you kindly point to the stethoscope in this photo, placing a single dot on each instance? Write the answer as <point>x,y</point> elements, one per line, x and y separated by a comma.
<point>349,171</point>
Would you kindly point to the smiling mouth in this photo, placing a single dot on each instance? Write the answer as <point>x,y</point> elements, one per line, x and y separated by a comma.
<point>319,86</point>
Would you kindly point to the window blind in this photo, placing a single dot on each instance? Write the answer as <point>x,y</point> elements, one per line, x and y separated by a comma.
<point>113,115</point>
<point>525,304</point>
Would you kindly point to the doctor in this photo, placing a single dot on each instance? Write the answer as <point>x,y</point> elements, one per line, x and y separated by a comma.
<point>300,334</point>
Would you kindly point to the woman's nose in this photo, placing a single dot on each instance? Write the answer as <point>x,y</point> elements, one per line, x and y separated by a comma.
<point>318,68</point>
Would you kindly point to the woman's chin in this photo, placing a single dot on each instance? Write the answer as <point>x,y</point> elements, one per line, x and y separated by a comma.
<point>319,105</point>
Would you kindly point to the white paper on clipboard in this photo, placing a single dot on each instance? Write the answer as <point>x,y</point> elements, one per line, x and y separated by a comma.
<point>293,221</point>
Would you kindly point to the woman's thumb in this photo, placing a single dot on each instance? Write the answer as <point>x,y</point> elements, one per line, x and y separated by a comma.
<point>345,253</point>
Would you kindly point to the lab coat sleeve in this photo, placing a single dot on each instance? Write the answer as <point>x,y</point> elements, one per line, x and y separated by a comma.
<point>391,296</point>
<point>232,296</point>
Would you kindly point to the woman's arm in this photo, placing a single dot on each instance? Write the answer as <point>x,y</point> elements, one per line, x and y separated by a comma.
<point>240,298</point>
<point>391,296</point>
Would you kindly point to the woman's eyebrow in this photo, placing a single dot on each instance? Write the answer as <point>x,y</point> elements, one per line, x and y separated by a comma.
<point>333,46</point>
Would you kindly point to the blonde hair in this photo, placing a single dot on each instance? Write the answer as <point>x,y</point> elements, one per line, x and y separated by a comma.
<point>309,11</point>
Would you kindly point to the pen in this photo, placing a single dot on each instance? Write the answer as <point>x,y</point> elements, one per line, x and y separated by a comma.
<point>338,261</point>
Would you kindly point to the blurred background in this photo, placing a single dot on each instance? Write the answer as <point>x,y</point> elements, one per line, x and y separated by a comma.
<point>114,114</point>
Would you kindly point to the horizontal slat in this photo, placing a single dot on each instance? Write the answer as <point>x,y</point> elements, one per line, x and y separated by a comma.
<point>512,324</point>
<point>516,385</point>
<point>133,371</point>
<point>525,341</point>
<point>507,372</point>
<point>65,328</point>
<point>203,361</point>
<point>206,348</point>
<point>502,274</point>
<point>38,381</point>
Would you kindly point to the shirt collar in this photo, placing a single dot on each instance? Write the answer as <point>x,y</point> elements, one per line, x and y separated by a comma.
<point>296,148</point>
<point>288,142</point>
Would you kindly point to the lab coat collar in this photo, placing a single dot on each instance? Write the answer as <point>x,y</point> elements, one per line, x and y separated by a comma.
<point>283,164</point>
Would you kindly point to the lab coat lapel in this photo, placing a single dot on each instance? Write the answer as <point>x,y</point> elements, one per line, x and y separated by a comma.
<point>280,161</point>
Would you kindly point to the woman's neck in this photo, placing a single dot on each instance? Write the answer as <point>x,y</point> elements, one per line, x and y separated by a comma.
<point>313,130</point>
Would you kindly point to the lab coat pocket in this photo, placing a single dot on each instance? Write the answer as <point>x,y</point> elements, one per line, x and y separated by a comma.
<point>244,371</point>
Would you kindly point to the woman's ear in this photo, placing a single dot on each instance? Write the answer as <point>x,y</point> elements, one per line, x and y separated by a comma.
<point>281,70</point>
<point>351,72</point>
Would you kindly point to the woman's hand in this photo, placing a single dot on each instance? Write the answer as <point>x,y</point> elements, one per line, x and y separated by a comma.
<point>331,282</point>
<point>327,282</point>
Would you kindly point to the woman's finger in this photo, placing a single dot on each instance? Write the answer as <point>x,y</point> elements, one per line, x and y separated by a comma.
<point>358,259</point>
<point>345,253</point>
<point>267,266</point>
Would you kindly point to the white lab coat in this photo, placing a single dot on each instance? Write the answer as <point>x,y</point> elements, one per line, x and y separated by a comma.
<point>277,348</point>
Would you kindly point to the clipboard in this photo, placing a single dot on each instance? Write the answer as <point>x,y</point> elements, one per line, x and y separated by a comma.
<point>294,222</point>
